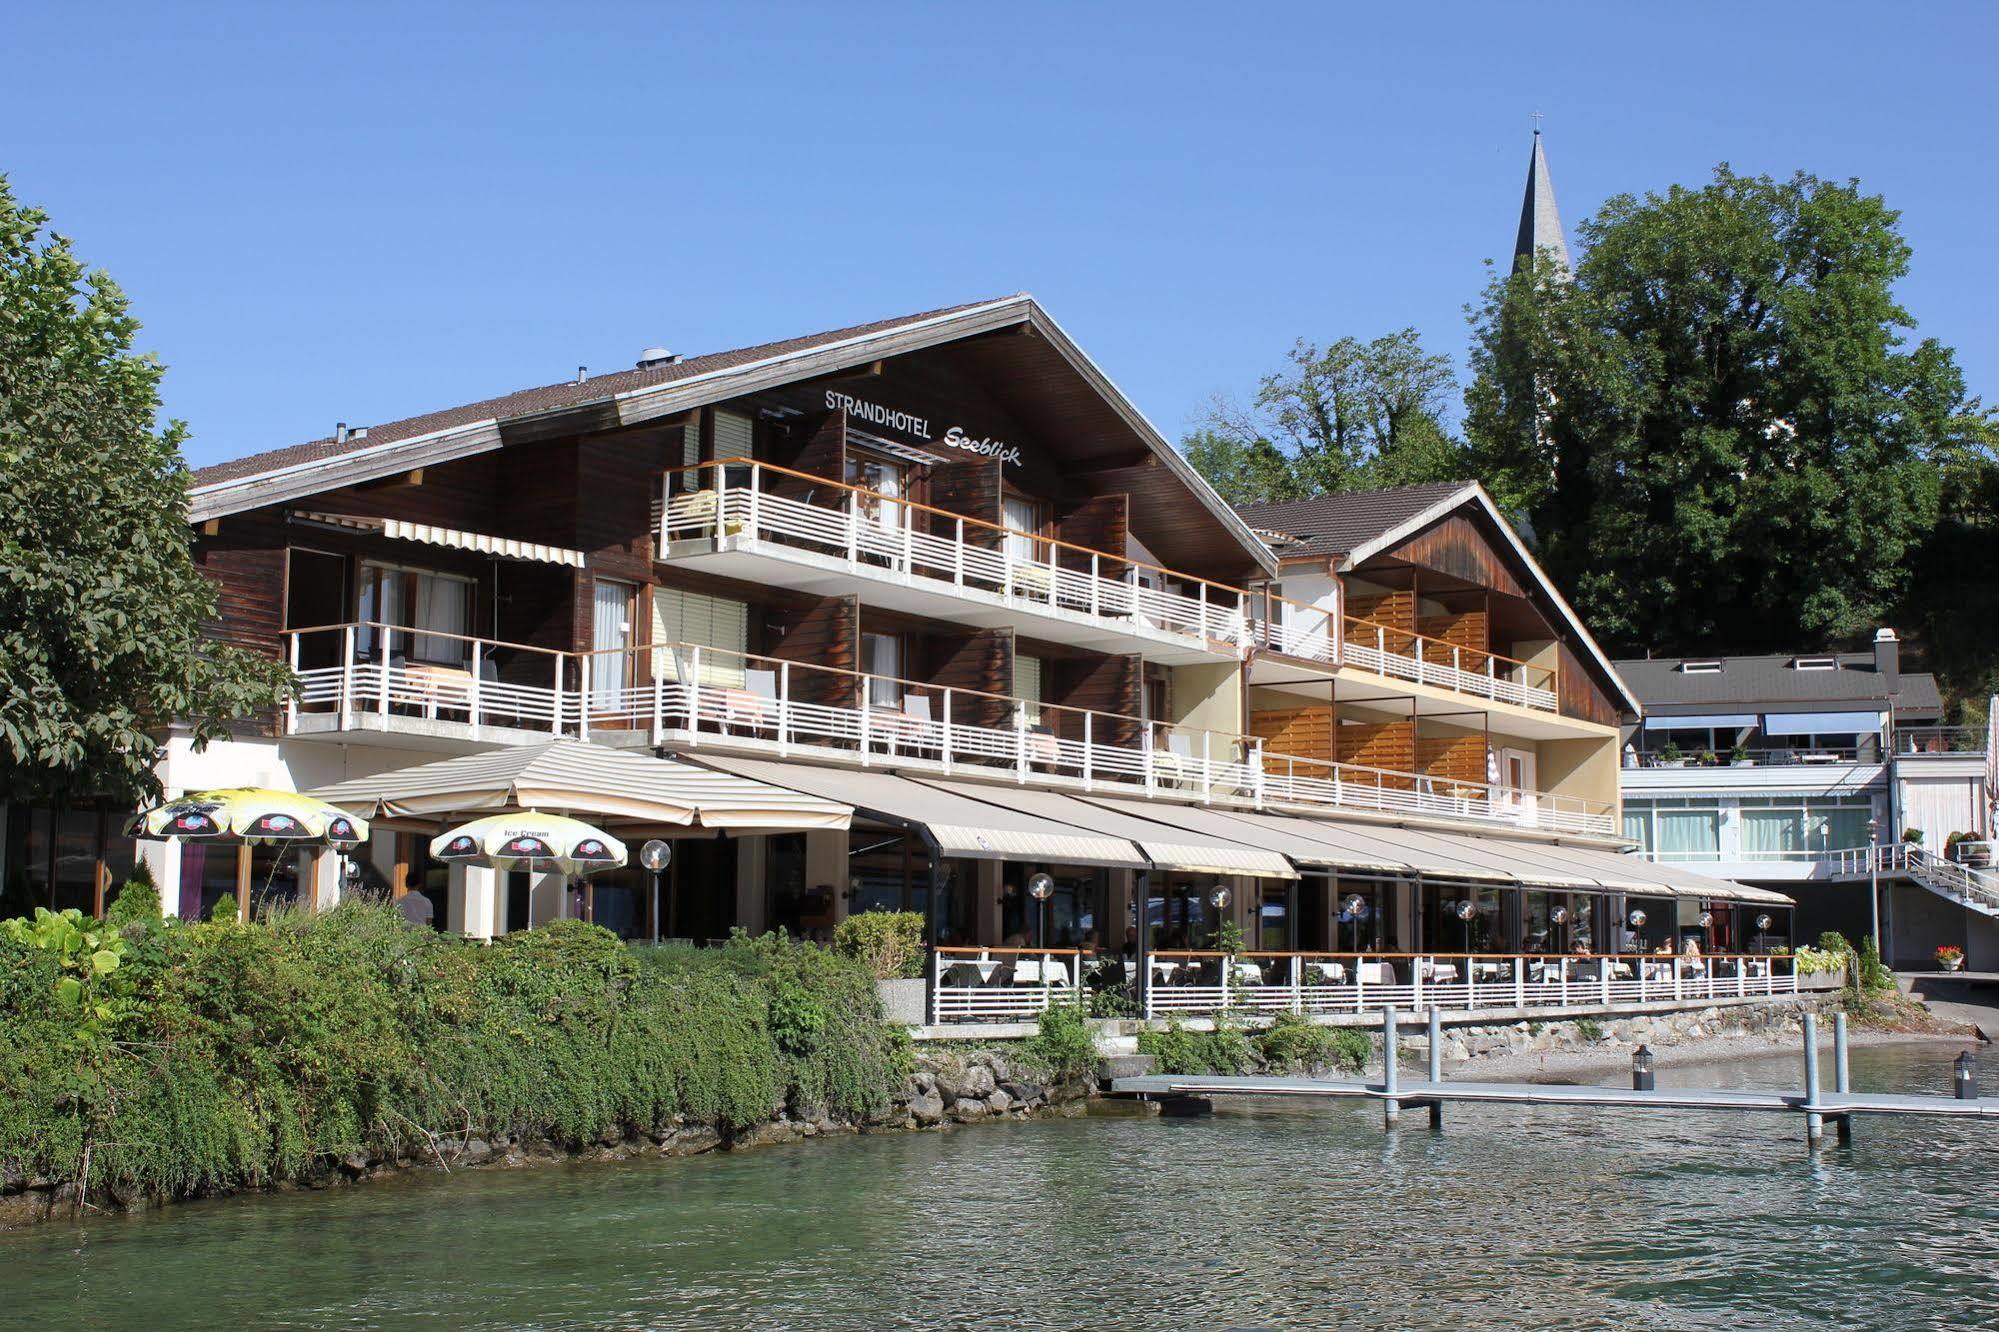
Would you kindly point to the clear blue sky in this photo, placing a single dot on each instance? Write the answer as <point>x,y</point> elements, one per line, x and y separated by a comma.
<point>361,213</point>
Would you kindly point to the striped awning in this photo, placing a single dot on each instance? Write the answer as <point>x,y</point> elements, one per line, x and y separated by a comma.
<point>958,824</point>
<point>398,529</point>
<point>1156,828</point>
<point>614,786</point>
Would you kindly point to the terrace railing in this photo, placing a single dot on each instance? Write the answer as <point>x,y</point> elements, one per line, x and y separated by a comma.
<point>886,535</point>
<point>1977,888</point>
<point>1002,984</point>
<point>1298,629</point>
<point>1184,982</point>
<point>702,696</point>
<point>1940,739</point>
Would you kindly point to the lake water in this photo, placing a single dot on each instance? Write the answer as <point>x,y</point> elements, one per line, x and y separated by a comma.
<point>1279,1215</point>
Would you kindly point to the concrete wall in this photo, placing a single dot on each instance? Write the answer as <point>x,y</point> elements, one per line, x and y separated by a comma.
<point>1585,769</point>
<point>1919,921</point>
<point>1207,695</point>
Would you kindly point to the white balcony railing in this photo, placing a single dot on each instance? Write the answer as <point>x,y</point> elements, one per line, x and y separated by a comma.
<point>881,535</point>
<point>370,676</point>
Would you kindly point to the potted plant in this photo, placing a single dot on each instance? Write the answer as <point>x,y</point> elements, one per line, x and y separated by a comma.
<point>1950,957</point>
<point>1707,759</point>
<point>1974,852</point>
<point>1950,844</point>
<point>1738,757</point>
<point>1912,836</point>
<point>1671,757</point>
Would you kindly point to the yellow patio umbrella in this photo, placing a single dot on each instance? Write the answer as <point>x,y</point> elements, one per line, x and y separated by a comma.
<point>530,840</point>
<point>252,814</point>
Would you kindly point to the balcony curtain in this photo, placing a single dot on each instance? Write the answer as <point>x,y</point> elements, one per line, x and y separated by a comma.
<point>610,626</point>
<point>442,606</point>
<point>1689,834</point>
<point>1638,827</point>
<point>1770,833</point>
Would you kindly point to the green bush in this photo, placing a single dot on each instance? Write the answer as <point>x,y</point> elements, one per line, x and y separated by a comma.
<point>1226,1049</point>
<point>1062,1044</point>
<point>240,1055</point>
<point>1589,1029</point>
<point>890,942</point>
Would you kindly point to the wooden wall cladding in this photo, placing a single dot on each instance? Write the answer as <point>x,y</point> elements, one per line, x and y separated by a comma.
<point>1102,523</point>
<point>464,493</point>
<point>1456,546</point>
<point>1299,732</point>
<point>827,633</point>
<point>972,489</point>
<point>1468,631</point>
<point>1390,745</point>
<point>536,494</point>
<point>1096,684</point>
<point>1397,610</point>
<point>981,661</point>
<point>1578,694</point>
<point>615,500</point>
<point>1452,758</point>
<point>245,562</point>
<point>824,453</point>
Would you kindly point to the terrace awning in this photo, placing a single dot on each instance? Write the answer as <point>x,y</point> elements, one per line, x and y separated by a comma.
<point>613,785</point>
<point>1168,841</point>
<point>1720,721</point>
<point>1821,723</point>
<point>959,825</point>
<point>398,529</point>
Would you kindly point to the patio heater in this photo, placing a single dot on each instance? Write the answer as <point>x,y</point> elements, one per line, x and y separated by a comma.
<point>1041,887</point>
<point>655,855</point>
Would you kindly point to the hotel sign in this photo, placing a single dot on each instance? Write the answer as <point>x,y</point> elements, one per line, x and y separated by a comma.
<point>908,423</point>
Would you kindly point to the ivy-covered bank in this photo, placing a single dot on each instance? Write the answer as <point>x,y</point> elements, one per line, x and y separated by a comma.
<point>145,1059</point>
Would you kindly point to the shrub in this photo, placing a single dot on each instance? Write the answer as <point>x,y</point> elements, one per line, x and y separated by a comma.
<point>1869,975</point>
<point>1226,1049</point>
<point>1062,1043</point>
<point>1589,1029</point>
<point>889,942</point>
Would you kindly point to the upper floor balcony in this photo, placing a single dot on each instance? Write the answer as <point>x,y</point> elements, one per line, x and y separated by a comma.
<point>1307,633</point>
<point>760,522</point>
<point>361,678</point>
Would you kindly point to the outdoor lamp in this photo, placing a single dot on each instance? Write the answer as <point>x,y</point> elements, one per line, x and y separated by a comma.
<point>655,854</point>
<point>1354,907</point>
<point>1964,1073</point>
<point>1467,909</point>
<point>350,872</point>
<point>1559,916</point>
<point>1763,921</point>
<point>1641,1069</point>
<point>1705,919</point>
<point>1218,897</point>
<point>1636,920</point>
<point>1040,887</point>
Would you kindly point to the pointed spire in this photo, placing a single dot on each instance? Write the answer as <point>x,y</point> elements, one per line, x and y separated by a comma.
<point>1540,223</point>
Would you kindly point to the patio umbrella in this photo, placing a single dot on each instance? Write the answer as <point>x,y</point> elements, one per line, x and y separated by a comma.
<point>529,840</point>
<point>250,814</point>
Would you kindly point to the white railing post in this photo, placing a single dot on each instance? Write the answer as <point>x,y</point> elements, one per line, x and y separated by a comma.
<point>694,695</point>
<point>1019,742</point>
<point>1054,573</point>
<point>908,540</point>
<point>555,697</point>
<point>382,672</point>
<point>472,688</point>
<point>1202,599</point>
<point>722,504</point>
<point>853,527</point>
<point>1257,777</point>
<point>1520,982</point>
<point>1603,976</point>
<point>347,677</point>
<point>658,703</point>
<point>1151,781</point>
<point>583,698</point>
<point>784,707</point>
<point>1096,583</point>
<point>1207,767</point>
<point>1641,965</point>
<point>755,524</point>
<point>944,746</point>
<point>291,695</point>
<point>1679,989</point>
<point>936,987</point>
<point>1417,965</point>
<point>665,512</point>
<point>1089,749</point>
<point>958,556</point>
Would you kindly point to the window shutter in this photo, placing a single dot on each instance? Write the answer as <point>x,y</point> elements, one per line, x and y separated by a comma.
<point>712,622</point>
<point>735,435</point>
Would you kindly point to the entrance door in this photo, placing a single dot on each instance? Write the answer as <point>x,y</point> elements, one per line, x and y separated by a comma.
<point>1516,780</point>
<point>611,634</point>
<point>315,595</point>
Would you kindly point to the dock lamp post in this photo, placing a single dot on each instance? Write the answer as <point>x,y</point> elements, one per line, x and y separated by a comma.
<point>1040,887</point>
<point>1964,1076</point>
<point>1641,1069</point>
<point>655,855</point>
<point>1874,881</point>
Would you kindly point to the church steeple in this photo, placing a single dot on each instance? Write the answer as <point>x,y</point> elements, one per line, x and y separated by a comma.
<point>1540,223</point>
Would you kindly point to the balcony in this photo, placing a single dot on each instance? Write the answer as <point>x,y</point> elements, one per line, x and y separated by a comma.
<point>735,517</point>
<point>1748,758</point>
<point>362,678</point>
<point>1305,632</point>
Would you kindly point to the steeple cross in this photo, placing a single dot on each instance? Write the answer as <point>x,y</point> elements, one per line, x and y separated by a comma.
<point>1537,122</point>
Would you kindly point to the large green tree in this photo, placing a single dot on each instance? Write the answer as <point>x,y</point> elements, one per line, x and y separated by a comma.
<point>1348,416</point>
<point>1718,428</point>
<point>101,607</point>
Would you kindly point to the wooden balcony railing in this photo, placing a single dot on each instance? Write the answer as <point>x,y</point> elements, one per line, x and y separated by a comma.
<point>697,695</point>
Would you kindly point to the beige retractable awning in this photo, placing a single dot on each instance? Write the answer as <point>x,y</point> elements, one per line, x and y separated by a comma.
<point>1169,842</point>
<point>615,785</point>
<point>399,529</point>
<point>960,825</point>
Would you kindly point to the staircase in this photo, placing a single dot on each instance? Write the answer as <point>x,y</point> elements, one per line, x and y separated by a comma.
<point>1973,889</point>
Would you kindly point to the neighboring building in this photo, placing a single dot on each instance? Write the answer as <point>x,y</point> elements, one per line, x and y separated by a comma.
<point>1770,770</point>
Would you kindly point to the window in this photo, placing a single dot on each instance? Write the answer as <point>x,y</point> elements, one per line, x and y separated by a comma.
<point>66,857</point>
<point>1816,664</point>
<point>881,658</point>
<point>1802,828</point>
<point>735,435</point>
<point>1023,522</point>
<point>683,619</point>
<point>1700,668</point>
<point>1027,687</point>
<point>417,599</point>
<point>889,483</point>
<point>1675,830</point>
<point>610,637</point>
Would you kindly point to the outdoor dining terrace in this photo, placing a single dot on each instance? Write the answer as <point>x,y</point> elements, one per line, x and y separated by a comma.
<point>689,695</point>
<point>1010,985</point>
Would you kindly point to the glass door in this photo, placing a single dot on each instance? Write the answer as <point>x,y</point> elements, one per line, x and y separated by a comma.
<point>611,635</point>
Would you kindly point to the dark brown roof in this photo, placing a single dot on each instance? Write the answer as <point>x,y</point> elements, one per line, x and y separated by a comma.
<point>549,397</point>
<point>1336,524</point>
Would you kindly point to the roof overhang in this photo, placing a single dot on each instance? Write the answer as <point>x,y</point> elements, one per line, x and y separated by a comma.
<point>1475,494</point>
<point>399,529</point>
<point>296,481</point>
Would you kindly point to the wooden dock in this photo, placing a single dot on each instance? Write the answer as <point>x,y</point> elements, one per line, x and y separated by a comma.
<point>1839,1106</point>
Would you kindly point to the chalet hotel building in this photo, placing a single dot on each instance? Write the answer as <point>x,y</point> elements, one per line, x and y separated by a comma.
<point>937,576</point>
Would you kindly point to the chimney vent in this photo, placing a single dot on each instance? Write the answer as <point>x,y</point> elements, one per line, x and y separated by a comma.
<point>1888,660</point>
<point>339,432</point>
<point>582,373</point>
<point>652,356</point>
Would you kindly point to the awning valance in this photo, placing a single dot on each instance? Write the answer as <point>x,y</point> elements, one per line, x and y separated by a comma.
<point>1158,829</point>
<point>1718,721</point>
<point>960,825</point>
<point>1821,723</point>
<point>399,529</point>
<point>613,785</point>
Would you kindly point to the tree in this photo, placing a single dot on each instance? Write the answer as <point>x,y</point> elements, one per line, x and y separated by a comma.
<point>1717,426</point>
<point>101,607</point>
<point>1353,415</point>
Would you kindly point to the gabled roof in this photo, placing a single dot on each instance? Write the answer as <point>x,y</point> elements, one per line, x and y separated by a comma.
<point>1333,525</point>
<point>1773,683</point>
<point>631,397</point>
<point>1353,527</point>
